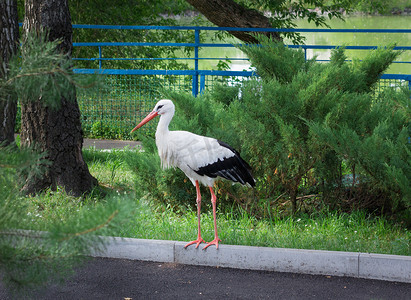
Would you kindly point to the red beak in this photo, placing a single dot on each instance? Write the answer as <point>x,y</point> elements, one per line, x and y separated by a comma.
<point>149,117</point>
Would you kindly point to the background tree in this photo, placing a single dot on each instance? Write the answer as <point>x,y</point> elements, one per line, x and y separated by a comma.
<point>269,14</point>
<point>55,131</point>
<point>9,35</point>
<point>125,12</point>
<point>229,13</point>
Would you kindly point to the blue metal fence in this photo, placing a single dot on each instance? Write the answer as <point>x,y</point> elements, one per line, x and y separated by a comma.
<point>138,99</point>
<point>196,73</point>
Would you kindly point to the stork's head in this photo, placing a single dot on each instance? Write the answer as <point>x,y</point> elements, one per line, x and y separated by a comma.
<point>162,107</point>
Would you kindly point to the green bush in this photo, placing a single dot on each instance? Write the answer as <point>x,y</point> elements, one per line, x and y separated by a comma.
<point>337,95</point>
<point>306,128</point>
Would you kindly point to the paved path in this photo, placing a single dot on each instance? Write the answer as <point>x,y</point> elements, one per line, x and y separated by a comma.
<point>106,144</point>
<point>104,278</point>
<point>109,144</point>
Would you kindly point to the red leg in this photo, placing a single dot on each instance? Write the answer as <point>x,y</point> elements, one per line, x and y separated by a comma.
<point>216,239</point>
<point>199,240</point>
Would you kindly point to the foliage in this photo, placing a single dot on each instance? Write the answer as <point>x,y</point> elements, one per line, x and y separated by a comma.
<point>126,12</point>
<point>110,168</point>
<point>376,143</point>
<point>38,71</point>
<point>379,6</point>
<point>158,12</point>
<point>338,93</point>
<point>29,258</point>
<point>284,13</point>
<point>305,128</point>
<point>100,130</point>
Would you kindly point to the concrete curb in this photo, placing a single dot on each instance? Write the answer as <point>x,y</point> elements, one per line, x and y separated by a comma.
<point>334,263</point>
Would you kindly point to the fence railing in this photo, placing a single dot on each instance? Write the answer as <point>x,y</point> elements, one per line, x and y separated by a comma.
<point>133,96</point>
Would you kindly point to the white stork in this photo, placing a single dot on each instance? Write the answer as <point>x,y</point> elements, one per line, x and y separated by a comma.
<point>202,159</point>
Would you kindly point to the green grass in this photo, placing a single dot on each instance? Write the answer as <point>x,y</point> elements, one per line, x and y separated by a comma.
<point>328,231</point>
<point>115,180</point>
<point>356,232</point>
<point>110,168</point>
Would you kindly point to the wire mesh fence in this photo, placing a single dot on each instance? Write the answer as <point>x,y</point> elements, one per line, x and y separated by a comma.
<point>396,83</point>
<point>113,111</point>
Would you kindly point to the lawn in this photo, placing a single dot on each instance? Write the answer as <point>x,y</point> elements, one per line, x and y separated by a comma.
<point>325,230</point>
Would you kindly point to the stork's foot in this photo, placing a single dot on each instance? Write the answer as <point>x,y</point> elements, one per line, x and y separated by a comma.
<point>198,241</point>
<point>213,242</point>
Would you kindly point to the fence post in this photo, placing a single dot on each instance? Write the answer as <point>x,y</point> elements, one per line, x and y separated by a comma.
<point>195,76</point>
<point>99,57</point>
<point>202,83</point>
<point>409,87</point>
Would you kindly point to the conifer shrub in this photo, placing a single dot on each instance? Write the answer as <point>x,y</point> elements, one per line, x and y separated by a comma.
<point>309,130</point>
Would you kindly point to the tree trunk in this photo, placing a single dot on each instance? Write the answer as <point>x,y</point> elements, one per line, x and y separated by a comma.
<point>56,131</point>
<point>9,35</point>
<point>227,13</point>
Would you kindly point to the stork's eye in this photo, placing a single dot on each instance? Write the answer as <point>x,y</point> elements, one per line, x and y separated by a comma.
<point>160,106</point>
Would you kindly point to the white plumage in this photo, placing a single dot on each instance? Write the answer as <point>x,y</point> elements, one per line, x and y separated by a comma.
<point>190,152</point>
<point>202,159</point>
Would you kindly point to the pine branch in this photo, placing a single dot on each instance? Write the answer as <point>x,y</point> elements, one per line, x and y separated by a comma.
<point>39,73</point>
<point>110,218</point>
<point>23,233</point>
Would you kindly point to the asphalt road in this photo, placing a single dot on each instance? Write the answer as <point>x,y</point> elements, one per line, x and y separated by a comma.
<point>104,278</point>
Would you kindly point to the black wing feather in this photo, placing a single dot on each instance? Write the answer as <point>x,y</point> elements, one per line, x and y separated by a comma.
<point>233,168</point>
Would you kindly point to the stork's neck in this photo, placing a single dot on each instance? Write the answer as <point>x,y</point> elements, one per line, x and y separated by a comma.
<point>162,127</point>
